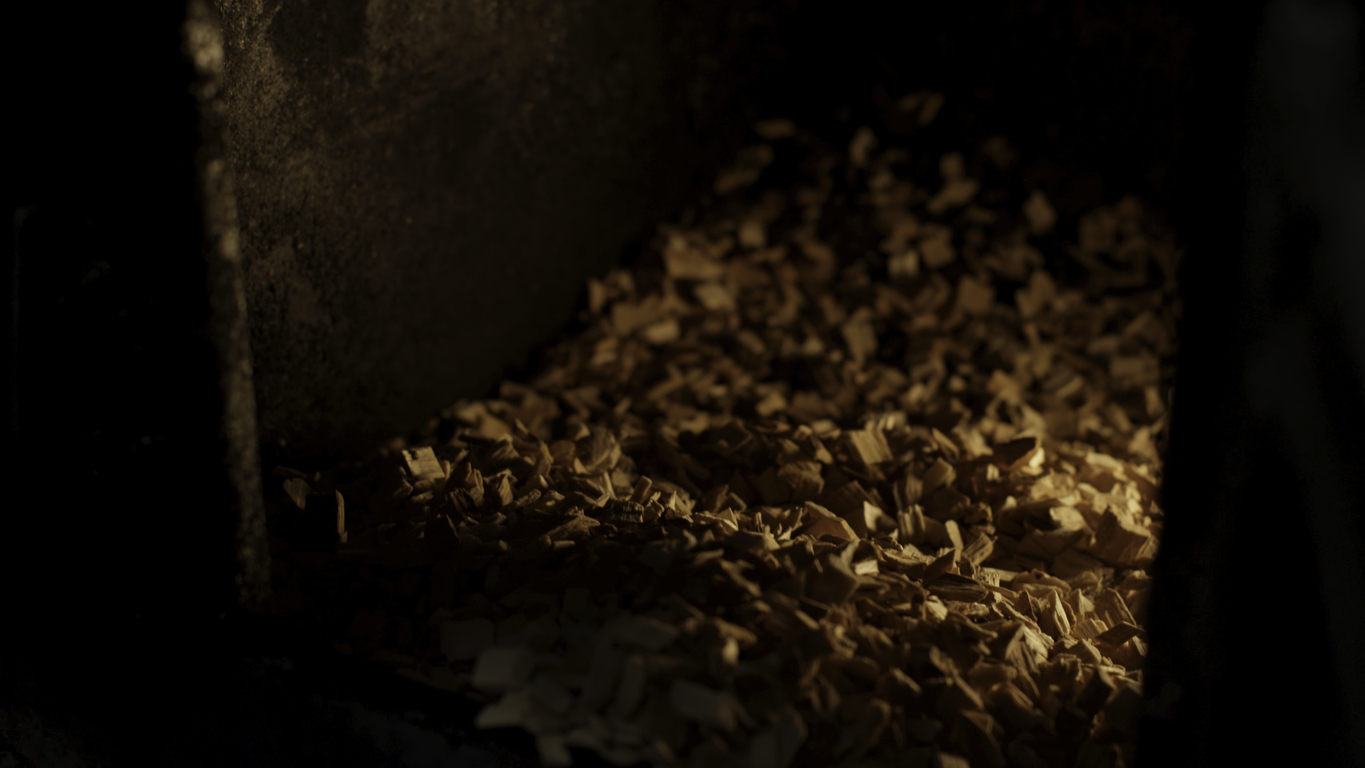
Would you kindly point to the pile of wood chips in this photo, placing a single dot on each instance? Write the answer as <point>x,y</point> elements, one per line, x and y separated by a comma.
<point>783,505</point>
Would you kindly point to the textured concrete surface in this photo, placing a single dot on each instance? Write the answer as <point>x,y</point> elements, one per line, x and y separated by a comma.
<point>424,186</point>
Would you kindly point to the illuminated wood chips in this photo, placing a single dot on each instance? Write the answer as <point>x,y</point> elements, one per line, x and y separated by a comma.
<point>778,504</point>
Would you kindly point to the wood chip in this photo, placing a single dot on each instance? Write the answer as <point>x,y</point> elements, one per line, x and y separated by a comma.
<point>422,466</point>
<point>502,669</point>
<point>952,586</point>
<point>641,632</point>
<point>776,746</point>
<point>1118,541</point>
<point>1039,213</point>
<point>775,128</point>
<point>822,522</point>
<point>834,583</point>
<point>461,640</point>
<point>298,491</point>
<point>868,446</point>
<point>937,251</point>
<point>1119,634</point>
<point>705,705</point>
<point>974,296</point>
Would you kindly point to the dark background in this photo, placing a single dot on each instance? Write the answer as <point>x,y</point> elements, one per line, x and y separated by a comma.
<point>536,143</point>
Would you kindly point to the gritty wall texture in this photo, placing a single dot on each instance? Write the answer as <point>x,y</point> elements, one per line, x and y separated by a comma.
<point>424,185</point>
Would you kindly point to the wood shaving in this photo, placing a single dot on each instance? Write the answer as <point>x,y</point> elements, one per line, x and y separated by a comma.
<point>781,503</point>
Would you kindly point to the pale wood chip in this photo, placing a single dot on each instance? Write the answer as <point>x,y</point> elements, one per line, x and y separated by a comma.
<point>776,746</point>
<point>820,522</point>
<point>861,146</point>
<point>421,465</point>
<point>553,750</point>
<point>510,710</point>
<point>297,489</point>
<point>705,705</point>
<point>501,669</point>
<point>462,640</point>
<point>775,128</point>
<point>937,251</point>
<point>954,194</point>
<point>1119,634</point>
<point>641,632</point>
<point>1118,541</point>
<point>834,583</point>
<point>1039,213</point>
<point>869,446</point>
<point>951,586</point>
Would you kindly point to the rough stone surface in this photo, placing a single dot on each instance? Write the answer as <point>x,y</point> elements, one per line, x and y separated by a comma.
<point>424,185</point>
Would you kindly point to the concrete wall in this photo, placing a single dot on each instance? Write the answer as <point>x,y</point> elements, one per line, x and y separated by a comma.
<point>424,186</point>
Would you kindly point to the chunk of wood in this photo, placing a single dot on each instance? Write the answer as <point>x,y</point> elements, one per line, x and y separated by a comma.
<point>548,693</point>
<point>576,528</point>
<point>603,672</point>
<point>1016,453</point>
<point>1096,692</point>
<point>866,729</point>
<point>421,466</point>
<point>802,478</point>
<point>957,697</point>
<point>1123,711</point>
<point>979,547</point>
<point>776,746</point>
<point>937,251</point>
<point>940,473</point>
<point>775,128</point>
<point>867,446</point>
<point>503,669</point>
<point>974,296</point>
<point>747,169</point>
<point>1070,563</point>
<point>630,688</point>
<point>1111,606</point>
<point>875,519</point>
<point>462,640</point>
<point>498,493</point>
<point>820,522</point>
<point>297,489</point>
<point>705,705</point>
<point>861,146</point>
<point>978,735</point>
<point>641,632</point>
<point>1039,213</point>
<point>1119,634</point>
<point>903,266</point>
<point>952,586</point>
<point>714,296</point>
<point>1051,614</point>
<point>1117,541</point>
<point>599,451</point>
<point>834,583</point>
<point>954,193</point>
<point>553,750</point>
<point>510,710</point>
<point>859,336</point>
